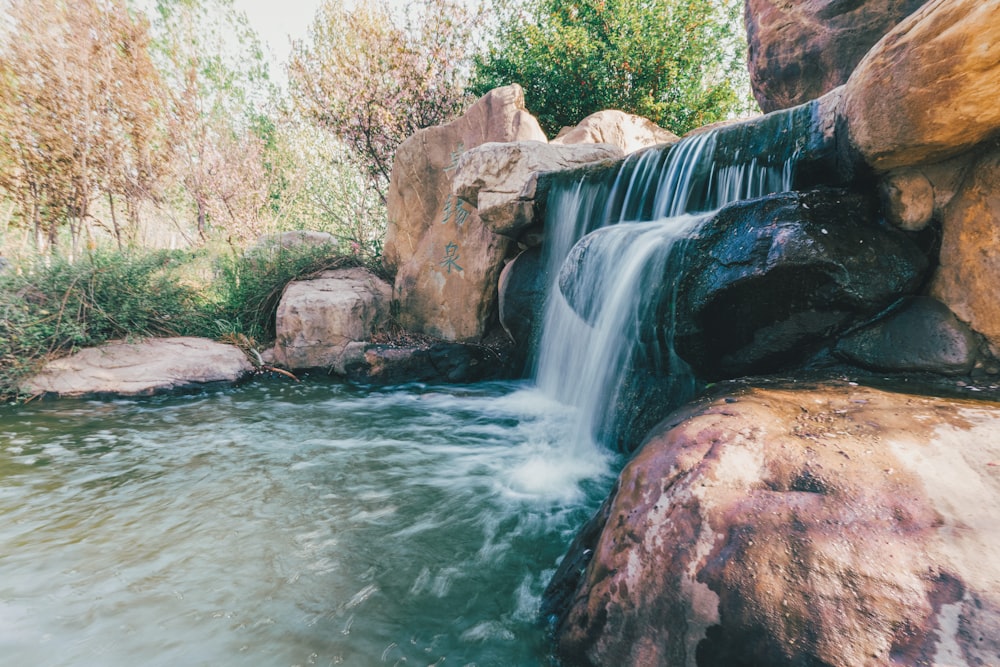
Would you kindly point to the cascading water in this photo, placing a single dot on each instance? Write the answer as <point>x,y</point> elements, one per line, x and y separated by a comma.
<point>611,260</point>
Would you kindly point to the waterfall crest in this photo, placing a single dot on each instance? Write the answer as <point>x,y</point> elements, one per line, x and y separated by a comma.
<point>613,250</point>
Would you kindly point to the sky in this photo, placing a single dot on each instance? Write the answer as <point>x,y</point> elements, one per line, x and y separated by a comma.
<point>277,22</point>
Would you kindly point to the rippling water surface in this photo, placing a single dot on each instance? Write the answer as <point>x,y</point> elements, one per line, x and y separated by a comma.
<point>280,524</point>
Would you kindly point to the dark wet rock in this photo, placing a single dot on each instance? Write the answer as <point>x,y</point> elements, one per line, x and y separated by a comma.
<point>438,362</point>
<point>522,297</point>
<point>829,525</point>
<point>766,282</point>
<point>919,334</point>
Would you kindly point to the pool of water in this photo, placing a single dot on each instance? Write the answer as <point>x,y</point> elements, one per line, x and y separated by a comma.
<point>283,524</point>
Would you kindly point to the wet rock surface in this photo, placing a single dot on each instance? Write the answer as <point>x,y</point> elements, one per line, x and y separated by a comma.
<point>152,366</point>
<point>821,525</point>
<point>522,297</point>
<point>766,282</point>
<point>919,335</point>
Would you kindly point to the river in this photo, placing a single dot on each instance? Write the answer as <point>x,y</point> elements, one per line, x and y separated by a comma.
<point>284,524</point>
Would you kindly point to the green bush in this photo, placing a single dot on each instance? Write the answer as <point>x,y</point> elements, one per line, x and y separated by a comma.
<point>54,305</point>
<point>679,63</point>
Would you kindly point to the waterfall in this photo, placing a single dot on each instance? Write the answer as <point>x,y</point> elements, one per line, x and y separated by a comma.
<point>612,251</point>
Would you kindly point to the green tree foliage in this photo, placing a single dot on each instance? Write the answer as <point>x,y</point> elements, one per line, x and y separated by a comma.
<point>680,63</point>
<point>373,78</point>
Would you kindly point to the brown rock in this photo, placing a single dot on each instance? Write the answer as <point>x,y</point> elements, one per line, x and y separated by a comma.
<point>800,50</point>
<point>836,526</point>
<point>969,272</point>
<point>500,180</point>
<point>617,128</point>
<point>317,319</point>
<point>928,90</point>
<point>445,259</point>
<point>154,366</point>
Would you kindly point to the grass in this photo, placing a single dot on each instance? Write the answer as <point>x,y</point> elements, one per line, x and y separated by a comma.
<point>51,306</point>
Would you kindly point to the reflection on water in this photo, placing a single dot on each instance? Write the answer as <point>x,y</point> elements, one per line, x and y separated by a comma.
<point>280,524</point>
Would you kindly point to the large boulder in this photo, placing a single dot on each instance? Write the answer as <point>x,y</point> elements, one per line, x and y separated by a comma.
<point>153,366</point>
<point>928,90</point>
<point>501,180</point>
<point>837,526</point>
<point>445,259</point>
<point>627,131</point>
<point>801,50</point>
<point>969,272</point>
<point>767,282</point>
<point>318,318</point>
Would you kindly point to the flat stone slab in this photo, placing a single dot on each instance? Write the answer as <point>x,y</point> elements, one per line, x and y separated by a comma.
<point>153,366</point>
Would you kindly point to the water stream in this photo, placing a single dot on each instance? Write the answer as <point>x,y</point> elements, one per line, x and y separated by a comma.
<point>282,524</point>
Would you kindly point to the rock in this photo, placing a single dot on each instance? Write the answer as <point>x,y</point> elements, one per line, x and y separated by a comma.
<point>300,238</point>
<point>523,284</point>
<point>446,261</point>
<point>617,128</point>
<point>920,334</point>
<point>908,198</point>
<point>967,278</point>
<point>837,526</point>
<point>439,362</point>
<point>501,180</point>
<point>766,282</point>
<point>318,318</point>
<point>153,366</point>
<point>800,50</point>
<point>927,91</point>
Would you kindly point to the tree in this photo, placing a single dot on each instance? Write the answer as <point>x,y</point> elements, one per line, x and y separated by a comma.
<point>374,79</point>
<point>680,63</point>
<point>218,99</point>
<point>80,108</point>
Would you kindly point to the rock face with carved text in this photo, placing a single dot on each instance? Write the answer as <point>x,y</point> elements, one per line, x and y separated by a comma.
<point>831,525</point>
<point>801,50</point>
<point>446,260</point>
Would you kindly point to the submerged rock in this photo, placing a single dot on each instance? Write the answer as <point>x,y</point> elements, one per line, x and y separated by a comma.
<point>153,366</point>
<point>766,282</point>
<point>837,526</point>
<point>919,335</point>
